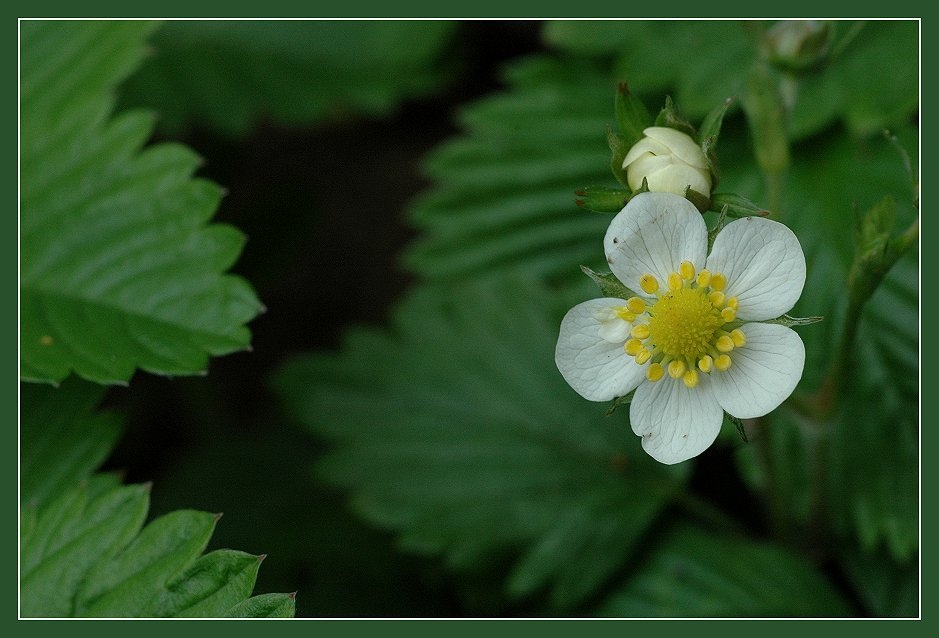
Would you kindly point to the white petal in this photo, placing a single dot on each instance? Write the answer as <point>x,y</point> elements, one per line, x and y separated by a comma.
<point>764,371</point>
<point>645,145</point>
<point>675,422</point>
<point>644,166</point>
<point>676,178</point>
<point>764,265</point>
<point>653,234</point>
<point>615,331</point>
<point>597,369</point>
<point>679,144</point>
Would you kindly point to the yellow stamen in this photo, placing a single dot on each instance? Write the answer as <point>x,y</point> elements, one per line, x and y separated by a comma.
<point>705,363</point>
<point>728,314</point>
<point>739,338</point>
<point>686,270</point>
<point>733,303</point>
<point>640,331</point>
<point>724,343</point>
<point>636,305</point>
<point>655,372</point>
<point>674,281</point>
<point>718,281</point>
<point>676,369</point>
<point>632,347</point>
<point>716,298</point>
<point>623,313</point>
<point>722,363</point>
<point>648,283</point>
<point>642,356</point>
<point>690,378</point>
<point>704,277</point>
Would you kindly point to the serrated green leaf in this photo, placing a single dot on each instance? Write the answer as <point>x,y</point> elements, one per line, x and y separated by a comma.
<point>696,573</point>
<point>632,117</point>
<point>608,284</point>
<point>265,606</point>
<point>61,441</point>
<point>73,534</point>
<point>211,586</point>
<point>456,430</point>
<point>230,75</point>
<point>503,196</point>
<point>130,583</point>
<point>118,269</point>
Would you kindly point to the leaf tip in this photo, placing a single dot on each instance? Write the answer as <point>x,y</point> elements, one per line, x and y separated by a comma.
<point>218,516</point>
<point>147,487</point>
<point>261,557</point>
<point>292,595</point>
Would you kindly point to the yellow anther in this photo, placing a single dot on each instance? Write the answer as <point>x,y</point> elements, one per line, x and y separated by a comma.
<point>686,270</point>
<point>632,347</point>
<point>724,343</point>
<point>733,303</point>
<point>716,298</point>
<point>739,338</point>
<point>690,378</point>
<point>642,356</point>
<point>655,371</point>
<point>648,283</point>
<point>718,281</point>
<point>640,331</point>
<point>705,363</point>
<point>674,281</point>
<point>636,305</point>
<point>704,277</point>
<point>728,314</point>
<point>623,313</point>
<point>676,368</point>
<point>722,362</point>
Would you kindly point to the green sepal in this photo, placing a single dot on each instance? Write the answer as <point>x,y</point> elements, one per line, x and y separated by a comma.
<point>670,116</point>
<point>618,402</point>
<point>609,285</point>
<point>601,199</point>
<point>737,205</point>
<point>789,322</point>
<point>739,425</point>
<point>632,117</point>
<point>701,201</point>
<point>619,146</point>
<point>708,134</point>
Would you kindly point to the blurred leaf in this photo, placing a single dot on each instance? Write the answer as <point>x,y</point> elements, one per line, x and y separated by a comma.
<point>456,430</point>
<point>61,440</point>
<point>695,573</point>
<point>231,74</point>
<point>890,590</point>
<point>504,194</point>
<point>871,84</point>
<point>82,556</point>
<point>869,459</point>
<point>118,268</point>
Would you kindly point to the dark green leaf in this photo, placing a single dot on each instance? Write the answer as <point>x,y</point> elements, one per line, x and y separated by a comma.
<point>456,430</point>
<point>231,75</point>
<point>696,573</point>
<point>737,205</point>
<point>211,586</point>
<point>119,270</point>
<point>671,117</point>
<point>61,441</point>
<point>265,606</point>
<point>889,590</point>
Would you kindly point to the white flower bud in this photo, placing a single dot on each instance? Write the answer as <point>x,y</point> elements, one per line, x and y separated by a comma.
<point>670,161</point>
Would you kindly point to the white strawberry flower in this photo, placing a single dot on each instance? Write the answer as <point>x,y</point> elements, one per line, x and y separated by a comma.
<point>691,342</point>
<point>669,160</point>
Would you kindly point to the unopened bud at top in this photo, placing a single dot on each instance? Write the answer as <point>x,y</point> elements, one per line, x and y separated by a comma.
<point>670,162</point>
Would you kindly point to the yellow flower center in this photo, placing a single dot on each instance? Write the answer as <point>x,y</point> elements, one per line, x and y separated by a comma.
<point>691,327</point>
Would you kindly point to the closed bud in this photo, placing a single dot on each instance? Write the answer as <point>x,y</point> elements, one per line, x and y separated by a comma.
<point>670,161</point>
